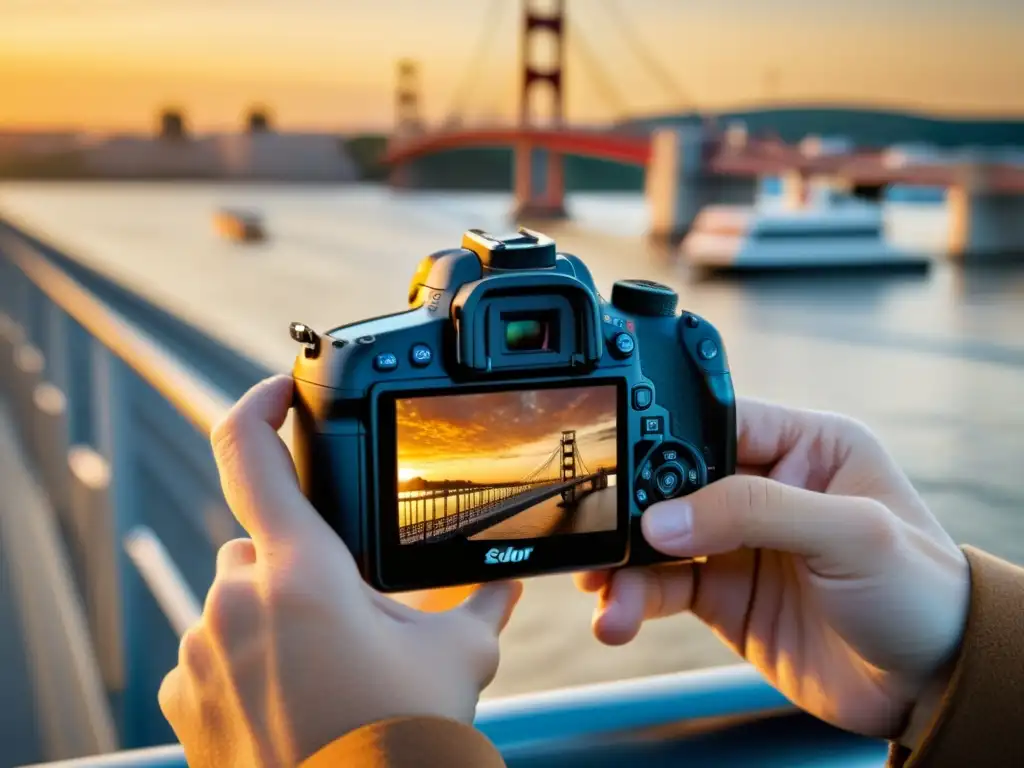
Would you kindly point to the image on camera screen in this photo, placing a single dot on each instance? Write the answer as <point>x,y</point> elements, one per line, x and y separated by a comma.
<point>507,465</point>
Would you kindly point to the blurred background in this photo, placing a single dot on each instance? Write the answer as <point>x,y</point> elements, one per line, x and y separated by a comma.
<point>837,186</point>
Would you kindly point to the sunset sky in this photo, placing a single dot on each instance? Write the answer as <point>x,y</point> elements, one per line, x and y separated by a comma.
<point>111,64</point>
<point>497,437</point>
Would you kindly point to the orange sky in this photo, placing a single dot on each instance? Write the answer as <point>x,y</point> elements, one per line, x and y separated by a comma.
<point>496,437</point>
<point>111,64</point>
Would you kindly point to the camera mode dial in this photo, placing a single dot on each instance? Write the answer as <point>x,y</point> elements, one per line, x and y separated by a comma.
<point>645,298</point>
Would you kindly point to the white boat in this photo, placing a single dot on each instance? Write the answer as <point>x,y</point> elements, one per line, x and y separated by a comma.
<point>833,232</point>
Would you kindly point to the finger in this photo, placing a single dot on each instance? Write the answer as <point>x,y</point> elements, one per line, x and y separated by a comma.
<point>235,553</point>
<point>169,695</point>
<point>766,432</point>
<point>591,581</point>
<point>636,595</point>
<point>493,603</point>
<point>257,473</point>
<point>838,535</point>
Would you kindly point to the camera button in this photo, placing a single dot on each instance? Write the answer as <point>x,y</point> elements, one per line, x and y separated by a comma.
<point>652,425</point>
<point>641,496</point>
<point>623,345</point>
<point>668,481</point>
<point>385,362</point>
<point>707,349</point>
<point>646,473</point>
<point>642,397</point>
<point>365,340</point>
<point>420,355</point>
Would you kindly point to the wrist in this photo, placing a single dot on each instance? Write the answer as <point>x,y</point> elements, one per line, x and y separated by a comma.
<point>925,710</point>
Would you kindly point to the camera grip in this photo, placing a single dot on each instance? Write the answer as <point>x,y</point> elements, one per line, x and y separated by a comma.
<point>684,358</point>
<point>330,462</point>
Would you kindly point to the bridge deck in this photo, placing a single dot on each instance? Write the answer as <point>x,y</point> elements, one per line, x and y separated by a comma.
<point>502,510</point>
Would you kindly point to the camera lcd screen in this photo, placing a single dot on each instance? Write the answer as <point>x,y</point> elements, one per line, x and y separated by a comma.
<point>513,464</point>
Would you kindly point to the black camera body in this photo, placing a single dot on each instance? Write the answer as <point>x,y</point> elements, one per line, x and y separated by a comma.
<point>512,422</point>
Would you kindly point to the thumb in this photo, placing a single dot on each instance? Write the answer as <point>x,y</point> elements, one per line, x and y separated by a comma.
<point>493,603</point>
<point>836,534</point>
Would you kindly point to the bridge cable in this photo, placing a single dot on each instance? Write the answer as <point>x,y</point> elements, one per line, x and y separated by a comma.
<point>581,462</point>
<point>472,73</point>
<point>540,468</point>
<point>593,68</point>
<point>658,72</point>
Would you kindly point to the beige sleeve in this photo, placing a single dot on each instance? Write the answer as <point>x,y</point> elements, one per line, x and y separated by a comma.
<point>980,721</point>
<point>412,742</point>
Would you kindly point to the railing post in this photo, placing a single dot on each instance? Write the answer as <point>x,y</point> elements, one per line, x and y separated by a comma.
<point>49,412</point>
<point>28,373</point>
<point>114,390</point>
<point>96,547</point>
<point>10,340</point>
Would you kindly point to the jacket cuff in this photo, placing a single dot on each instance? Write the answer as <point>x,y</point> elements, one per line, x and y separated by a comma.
<point>410,742</point>
<point>978,722</point>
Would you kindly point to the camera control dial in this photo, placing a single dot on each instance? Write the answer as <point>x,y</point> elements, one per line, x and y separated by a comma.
<point>645,298</point>
<point>672,469</point>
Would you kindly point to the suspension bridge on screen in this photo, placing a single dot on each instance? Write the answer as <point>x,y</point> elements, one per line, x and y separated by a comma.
<point>435,514</point>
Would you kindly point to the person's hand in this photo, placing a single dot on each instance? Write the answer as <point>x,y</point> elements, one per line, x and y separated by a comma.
<point>294,649</point>
<point>825,570</point>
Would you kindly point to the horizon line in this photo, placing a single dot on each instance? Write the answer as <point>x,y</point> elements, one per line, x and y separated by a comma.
<point>882,106</point>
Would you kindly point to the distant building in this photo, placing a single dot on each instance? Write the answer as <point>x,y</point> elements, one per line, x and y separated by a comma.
<point>127,157</point>
<point>172,125</point>
<point>286,157</point>
<point>258,121</point>
<point>23,143</point>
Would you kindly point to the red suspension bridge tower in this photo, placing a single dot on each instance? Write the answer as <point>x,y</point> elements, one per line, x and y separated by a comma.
<point>540,174</point>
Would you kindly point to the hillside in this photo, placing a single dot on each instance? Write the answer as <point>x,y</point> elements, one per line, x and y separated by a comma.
<point>873,128</point>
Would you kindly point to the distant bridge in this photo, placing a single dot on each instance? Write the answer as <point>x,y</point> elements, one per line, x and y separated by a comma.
<point>753,158</point>
<point>437,514</point>
<point>686,169</point>
<point>629,149</point>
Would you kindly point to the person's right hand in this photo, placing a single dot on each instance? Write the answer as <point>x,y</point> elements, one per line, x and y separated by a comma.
<point>825,570</point>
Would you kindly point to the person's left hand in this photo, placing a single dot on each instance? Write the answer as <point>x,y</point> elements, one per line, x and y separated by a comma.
<point>294,649</point>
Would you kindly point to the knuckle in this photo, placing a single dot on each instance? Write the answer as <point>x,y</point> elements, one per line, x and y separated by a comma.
<point>194,652</point>
<point>754,497</point>
<point>878,526</point>
<point>485,650</point>
<point>854,431</point>
<point>233,552</point>
<point>746,496</point>
<point>225,435</point>
<point>231,606</point>
<point>169,694</point>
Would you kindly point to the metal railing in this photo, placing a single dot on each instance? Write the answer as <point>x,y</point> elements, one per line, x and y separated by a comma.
<point>723,717</point>
<point>116,509</point>
<point>116,430</point>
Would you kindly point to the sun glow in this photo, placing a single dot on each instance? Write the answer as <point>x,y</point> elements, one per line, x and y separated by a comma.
<point>408,473</point>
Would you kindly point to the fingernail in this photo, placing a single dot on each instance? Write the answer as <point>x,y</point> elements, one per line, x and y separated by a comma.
<point>669,523</point>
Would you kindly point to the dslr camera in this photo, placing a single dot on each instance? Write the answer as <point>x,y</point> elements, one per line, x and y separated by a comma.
<point>511,422</point>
